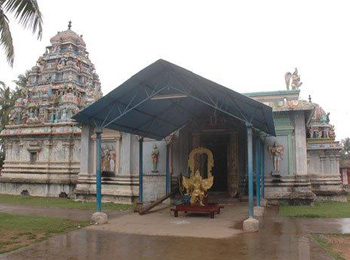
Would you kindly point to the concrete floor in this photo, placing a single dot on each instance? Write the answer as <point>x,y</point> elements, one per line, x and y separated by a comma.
<point>161,236</point>
<point>161,222</point>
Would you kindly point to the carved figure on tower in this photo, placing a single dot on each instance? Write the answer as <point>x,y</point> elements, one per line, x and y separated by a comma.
<point>293,80</point>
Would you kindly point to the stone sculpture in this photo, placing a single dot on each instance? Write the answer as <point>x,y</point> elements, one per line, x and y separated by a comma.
<point>276,154</point>
<point>319,126</point>
<point>293,80</point>
<point>155,157</point>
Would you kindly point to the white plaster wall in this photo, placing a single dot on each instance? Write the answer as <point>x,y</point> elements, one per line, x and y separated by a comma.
<point>134,149</point>
<point>147,156</point>
<point>76,150</point>
<point>300,143</point>
<point>154,187</point>
<point>126,156</point>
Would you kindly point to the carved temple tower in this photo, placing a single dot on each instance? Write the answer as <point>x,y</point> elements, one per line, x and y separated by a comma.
<point>42,143</point>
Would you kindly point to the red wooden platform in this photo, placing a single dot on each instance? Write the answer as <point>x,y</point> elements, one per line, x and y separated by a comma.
<point>209,208</point>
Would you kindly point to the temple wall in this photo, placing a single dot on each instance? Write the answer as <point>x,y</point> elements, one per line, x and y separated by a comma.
<point>121,183</point>
<point>323,168</point>
<point>293,185</point>
<point>300,144</point>
<point>44,164</point>
<point>125,155</point>
<point>153,182</point>
<point>285,136</point>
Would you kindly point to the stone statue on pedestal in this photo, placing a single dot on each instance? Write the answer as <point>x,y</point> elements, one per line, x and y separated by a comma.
<point>276,154</point>
<point>155,155</point>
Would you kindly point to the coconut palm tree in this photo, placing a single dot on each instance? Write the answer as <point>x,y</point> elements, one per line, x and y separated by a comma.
<point>27,13</point>
<point>5,106</point>
<point>21,83</point>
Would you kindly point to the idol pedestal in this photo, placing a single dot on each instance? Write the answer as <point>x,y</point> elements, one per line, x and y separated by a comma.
<point>208,208</point>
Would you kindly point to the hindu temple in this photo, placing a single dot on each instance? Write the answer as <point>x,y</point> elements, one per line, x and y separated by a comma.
<point>42,142</point>
<point>164,129</point>
<point>281,144</point>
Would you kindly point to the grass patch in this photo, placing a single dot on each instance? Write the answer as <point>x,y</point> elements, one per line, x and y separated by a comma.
<point>18,231</point>
<point>322,241</point>
<point>60,203</point>
<point>319,210</point>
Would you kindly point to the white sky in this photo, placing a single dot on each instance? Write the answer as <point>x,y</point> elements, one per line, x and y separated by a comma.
<point>244,45</point>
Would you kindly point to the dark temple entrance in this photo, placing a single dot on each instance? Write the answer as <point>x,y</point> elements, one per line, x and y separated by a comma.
<point>217,143</point>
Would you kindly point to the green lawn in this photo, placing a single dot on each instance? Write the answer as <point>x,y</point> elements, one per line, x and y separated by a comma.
<point>60,203</point>
<point>18,231</point>
<point>319,210</point>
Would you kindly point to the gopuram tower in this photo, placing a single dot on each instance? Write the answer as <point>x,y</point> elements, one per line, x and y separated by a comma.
<point>42,143</point>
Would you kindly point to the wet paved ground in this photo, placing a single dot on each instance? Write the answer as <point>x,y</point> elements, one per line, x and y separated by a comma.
<point>278,238</point>
<point>161,222</point>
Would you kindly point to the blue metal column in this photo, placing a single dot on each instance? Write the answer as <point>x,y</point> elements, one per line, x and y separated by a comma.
<point>262,169</point>
<point>141,170</point>
<point>98,169</point>
<point>257,167</point>
<point>250,168</point>
<point>167,170</point>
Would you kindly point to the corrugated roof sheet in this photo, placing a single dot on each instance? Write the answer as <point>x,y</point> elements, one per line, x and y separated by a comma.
<point>163,97</point>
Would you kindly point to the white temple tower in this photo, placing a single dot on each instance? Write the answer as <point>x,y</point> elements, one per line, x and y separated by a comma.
<point>42,144</point>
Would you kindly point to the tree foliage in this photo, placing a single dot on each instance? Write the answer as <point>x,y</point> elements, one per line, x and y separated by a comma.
<point>8,98</point>
<point>5,108</point>
<point>27,13</point>
<point>6,104</point>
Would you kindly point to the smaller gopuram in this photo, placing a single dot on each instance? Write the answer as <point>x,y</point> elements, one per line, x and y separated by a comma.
<point>323,154</point>
<point>42,143</point>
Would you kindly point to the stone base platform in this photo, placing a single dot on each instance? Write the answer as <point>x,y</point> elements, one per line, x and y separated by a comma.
<point>37,189</point>
<point>290,190</point>
<point>328,188</point>
<point>121,189</point>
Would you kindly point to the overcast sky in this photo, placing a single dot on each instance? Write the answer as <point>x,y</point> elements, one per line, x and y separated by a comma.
<point>246,45</point>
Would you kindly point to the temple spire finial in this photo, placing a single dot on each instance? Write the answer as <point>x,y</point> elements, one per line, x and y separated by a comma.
<point>69,25</point>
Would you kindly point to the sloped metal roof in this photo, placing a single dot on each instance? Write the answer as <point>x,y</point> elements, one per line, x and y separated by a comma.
<point>163,97</point>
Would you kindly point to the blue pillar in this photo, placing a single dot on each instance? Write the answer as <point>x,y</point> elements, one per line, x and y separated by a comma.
<point>257,167</point>
<point>98,169</point>
<point>167,170</point>
<point>262,153</point>
<point>141,170</point>
<point>250,168</point>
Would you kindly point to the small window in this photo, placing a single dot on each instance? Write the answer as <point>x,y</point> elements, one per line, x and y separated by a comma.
<point>33,157</point>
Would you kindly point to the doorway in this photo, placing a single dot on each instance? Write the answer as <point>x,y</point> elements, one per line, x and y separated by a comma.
<point>217,144</point>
